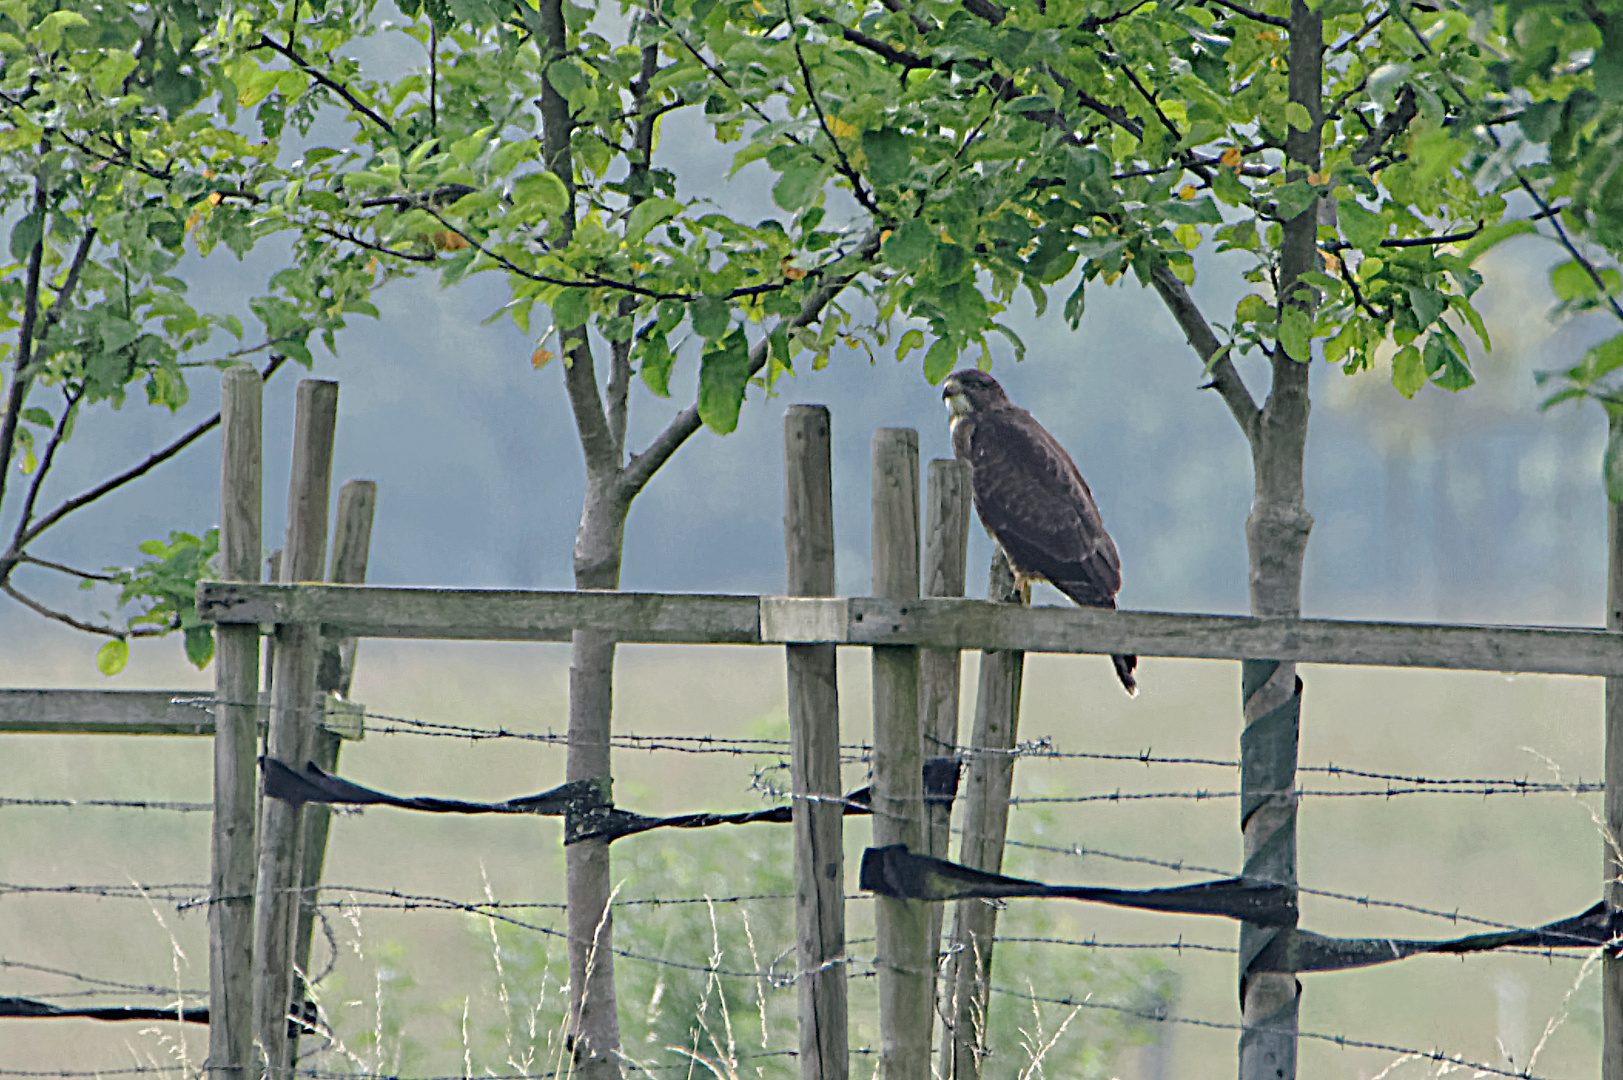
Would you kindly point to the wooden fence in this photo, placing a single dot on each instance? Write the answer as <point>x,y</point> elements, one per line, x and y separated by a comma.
<point>257,944</point>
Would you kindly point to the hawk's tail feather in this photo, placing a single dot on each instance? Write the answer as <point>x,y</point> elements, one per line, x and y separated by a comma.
<point>1124,672</point>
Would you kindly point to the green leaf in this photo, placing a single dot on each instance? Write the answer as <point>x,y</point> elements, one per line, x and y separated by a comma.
<point>111,657</point>
<point>1427,305</point>
<point>37,415</point>
<point>798,187</point>
<point>200,645</point>
<point>711,317</point>
<point>647,215</point>
<point>890,159</point>
<point>1363,228</point>
<point>1297,116</point>
<point>1253,309</point>
<point>1571,281</point>
<point>1076,304</point>
<point>1602,360</point>
<point>1408,371</point>
<point>1226,185</point>
<point>939,361</point>
<point>26,233</point>
<point>572,308</point>
<point>911,244</point>
<point>1192,212</point>
<point>1294,199</point>
<point>542,191</point>
<point>1296,333</point>
<point>48,34</point>
<point>913,339</point>
<point>723,375</point>
<point>656,360</point>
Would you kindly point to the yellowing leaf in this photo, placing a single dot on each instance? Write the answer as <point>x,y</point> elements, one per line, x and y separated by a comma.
<point>539,358</point>
<point>839,127</point>
<point>1231,157</point>
<point>112,657</point>
<point>446,240</point>
<point>791,272</point>
<point>1187,191</point>
<point>214,198</point>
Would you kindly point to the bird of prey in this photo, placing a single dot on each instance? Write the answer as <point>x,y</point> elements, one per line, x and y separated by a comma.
<point>1032,499</point>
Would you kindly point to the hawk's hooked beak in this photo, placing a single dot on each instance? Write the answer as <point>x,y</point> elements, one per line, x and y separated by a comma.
<point>952,392</point>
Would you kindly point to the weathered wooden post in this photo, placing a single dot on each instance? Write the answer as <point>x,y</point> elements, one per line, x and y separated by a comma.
<point>294,713</point>
<point>814,753</point>
<point>946,536</point>
<point>902,926</point>
<point>335,668</point>
<point>1612,966</point>
<point>987,787</point>
<point>236,737</point>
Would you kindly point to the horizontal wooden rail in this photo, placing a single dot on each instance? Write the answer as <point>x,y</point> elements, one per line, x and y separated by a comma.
<point>107,712</point>
<point>668,618</point>
<point>973,624</point>
<point>488,614</point>
<point>139,712</point>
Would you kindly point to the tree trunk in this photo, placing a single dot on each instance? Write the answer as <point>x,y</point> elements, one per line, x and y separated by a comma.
<point>594,1018</point>
<point>1276,536</point>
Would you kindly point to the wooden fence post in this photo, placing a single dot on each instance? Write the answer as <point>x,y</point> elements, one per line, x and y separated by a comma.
<point>292,723</point>
<point>236,737</point>
<point>335,668</point>
<point>986,822</point>
<point>1612,882</point>
<point>902,926</point>
<point>814,751</point>
<point>946,536</point>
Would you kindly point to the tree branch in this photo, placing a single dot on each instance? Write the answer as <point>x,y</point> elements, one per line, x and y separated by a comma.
<point>1252,14</point>
<point>845,167</point>
<point>77,624</point>
<point>58,433</point>
<point>114,483</point>
<point>267,42</point>
<point>69,570</point>
<point>20,378</point>
<point>643,466</point>
<point>1225,378</point>
<point>1572,248</point>
<point>64,295</point>
<point>884,50</point>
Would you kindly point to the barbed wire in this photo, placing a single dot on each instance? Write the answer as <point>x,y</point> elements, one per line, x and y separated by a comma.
<point>1202,795</point>
<point>1033,749</point>
<point>1162,1017</point>
<point>110,984</point>
<point>1181,866</point>
<point>167,893</point>
<point>122,804</point>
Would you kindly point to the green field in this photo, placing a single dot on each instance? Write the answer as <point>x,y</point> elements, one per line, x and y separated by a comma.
<point>1515,859</point>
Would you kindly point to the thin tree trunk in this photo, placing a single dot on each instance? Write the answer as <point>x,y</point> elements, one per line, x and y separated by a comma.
<point>595,1023</point>
<point>1276,536</point>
